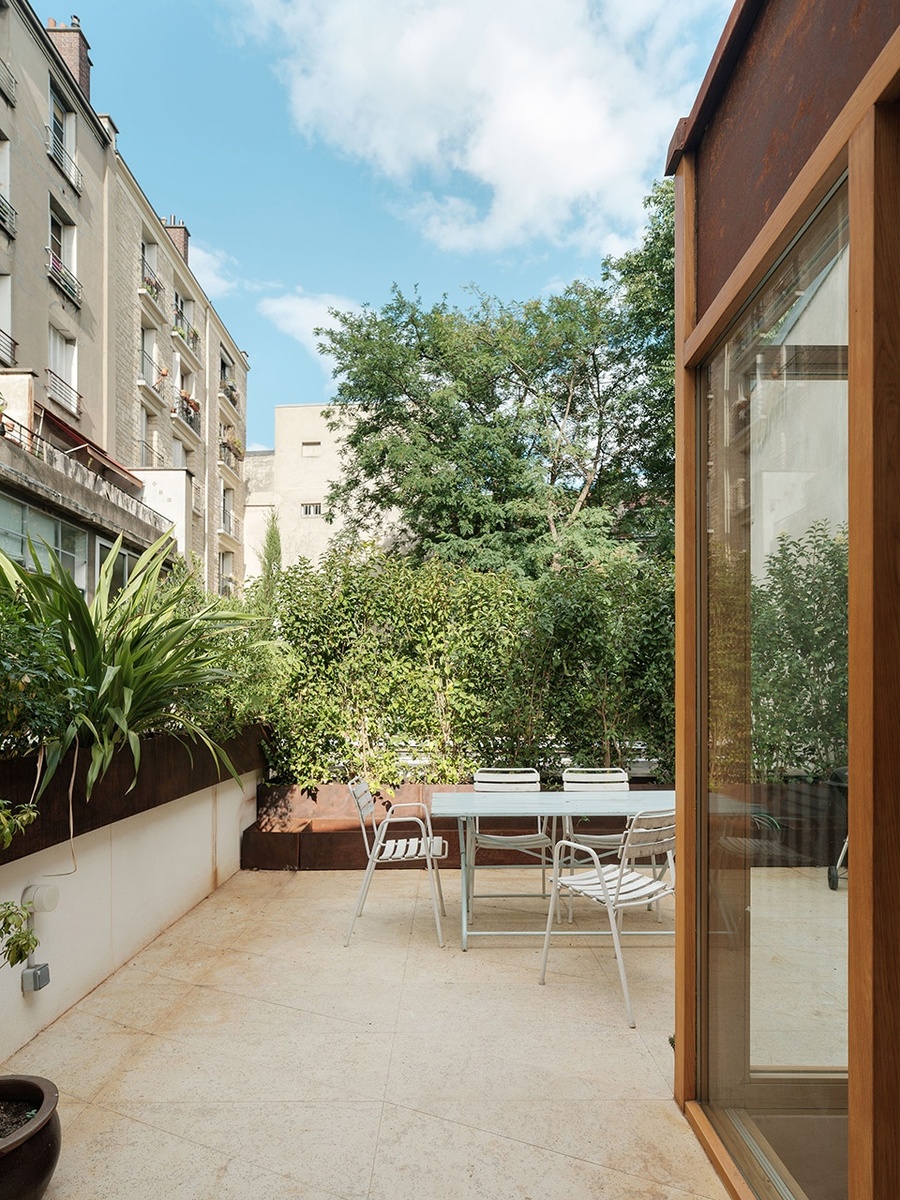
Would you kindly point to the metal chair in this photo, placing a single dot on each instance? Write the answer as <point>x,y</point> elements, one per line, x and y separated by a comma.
<point>594,779</point>
<point>617,886</point>
<point>537,845</point>
<point>423,847</point>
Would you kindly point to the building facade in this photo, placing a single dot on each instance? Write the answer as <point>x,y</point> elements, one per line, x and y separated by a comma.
<point>292,481</point>
<point>123,393</point>
<point>788,601</point>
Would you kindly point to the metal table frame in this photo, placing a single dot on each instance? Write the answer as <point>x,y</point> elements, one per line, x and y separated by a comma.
<point>467,806</point>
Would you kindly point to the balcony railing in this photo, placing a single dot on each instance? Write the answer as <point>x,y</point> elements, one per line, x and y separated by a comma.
<point>228,389</point>
<point>187,410</point>
<point>63,159</point>
<point>230,457</point>
<point>150,283</point>
<point>8,348</point>
<point>33,443</point>
<point>229,523</point>
<point>150,457</point>
<point>8,216</point>
<point>8,82</point>
<point>63,393</point>
<point>185,330</point>
<point>156,378</point>
<point>63,278</point>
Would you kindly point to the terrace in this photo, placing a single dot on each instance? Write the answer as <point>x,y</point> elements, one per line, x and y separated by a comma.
<point>245,1052</point>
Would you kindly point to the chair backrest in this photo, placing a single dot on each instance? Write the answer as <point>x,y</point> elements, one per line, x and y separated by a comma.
<point>365,806</point>
<point>649,835</point>
<point>595,779</point>
<point>507,779</point>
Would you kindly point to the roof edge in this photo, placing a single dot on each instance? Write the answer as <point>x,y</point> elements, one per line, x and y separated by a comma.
<point>689,130</point>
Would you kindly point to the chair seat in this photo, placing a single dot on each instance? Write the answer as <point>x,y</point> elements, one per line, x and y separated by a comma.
<point>634,888</point>
<point>514,841</point>
<point>405,849</point>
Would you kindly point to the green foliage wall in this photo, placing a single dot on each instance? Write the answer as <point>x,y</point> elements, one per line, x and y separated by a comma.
<point>427,671</point>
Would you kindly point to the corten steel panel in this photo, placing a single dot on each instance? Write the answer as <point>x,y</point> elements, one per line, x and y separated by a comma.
<point>799,66</point>
<point>169,770</point>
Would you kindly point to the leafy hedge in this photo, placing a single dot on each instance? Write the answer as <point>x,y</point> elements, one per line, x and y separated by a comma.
<point>427,671</point>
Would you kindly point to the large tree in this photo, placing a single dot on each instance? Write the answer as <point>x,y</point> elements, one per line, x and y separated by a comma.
<point>509,434</point>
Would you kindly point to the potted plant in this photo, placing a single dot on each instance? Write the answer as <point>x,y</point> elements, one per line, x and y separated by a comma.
<point>30,1136</point>
<point>95,677</point>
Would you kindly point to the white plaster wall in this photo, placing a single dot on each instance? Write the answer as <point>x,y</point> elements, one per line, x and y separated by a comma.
<point>133,879</point>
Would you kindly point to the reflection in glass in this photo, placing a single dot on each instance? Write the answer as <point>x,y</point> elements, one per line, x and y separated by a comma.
<point>773,952</point>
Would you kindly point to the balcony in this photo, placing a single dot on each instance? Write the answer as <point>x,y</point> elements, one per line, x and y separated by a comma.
<point>151,285</point>
<point>228,391</point>
<point>63,393</point>
<point>8,216</point>
<point>230,524</point>
<point>150,456</point>
<point>8,347</point>
<point>63,159</point>
<point>152,377</point>
<point>60,274</point>
<point>229,455</point>
<point>8,82</point>
<point>183,329</point>
<point>187,409</point>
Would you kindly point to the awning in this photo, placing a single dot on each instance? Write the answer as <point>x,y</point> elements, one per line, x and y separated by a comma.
<point>99,461</point>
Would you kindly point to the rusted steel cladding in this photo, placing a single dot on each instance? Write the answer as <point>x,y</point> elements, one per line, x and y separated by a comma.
<point>798,68</point>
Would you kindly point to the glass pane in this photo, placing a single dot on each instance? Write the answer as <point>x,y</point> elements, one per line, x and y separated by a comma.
<point>42,531</point>
<point>775,947</point>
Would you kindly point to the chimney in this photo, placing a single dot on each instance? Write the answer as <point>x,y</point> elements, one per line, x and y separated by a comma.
<point>178,232</point>
<point>73,49</point>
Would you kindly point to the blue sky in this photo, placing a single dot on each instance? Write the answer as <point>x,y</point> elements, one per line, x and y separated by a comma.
<point>320,150</point>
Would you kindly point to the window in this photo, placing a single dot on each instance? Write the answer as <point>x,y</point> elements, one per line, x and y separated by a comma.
<point>150,282</point>
<point>310,449</point>
<point>19,522</point>
<point>226,573</point>
<point>229,524</point>
<point>311,510</point>
<point>8,214</point>
<point>61,372</point>
<point>61,249</point>
<point>124,564</point>
<point>61,138</point>
<point>179,455</point>
<point>7,345</point>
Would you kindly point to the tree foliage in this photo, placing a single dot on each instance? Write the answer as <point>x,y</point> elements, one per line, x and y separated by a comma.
<point>513,435</point>
<point>427,670</point>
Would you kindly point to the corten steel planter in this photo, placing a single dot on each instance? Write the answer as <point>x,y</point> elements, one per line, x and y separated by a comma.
<point>28,1157</point>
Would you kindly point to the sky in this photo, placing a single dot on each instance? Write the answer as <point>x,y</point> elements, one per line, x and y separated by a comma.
<point>320,151</point>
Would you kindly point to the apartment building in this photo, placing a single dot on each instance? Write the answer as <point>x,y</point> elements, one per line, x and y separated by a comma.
<point>124,395</point>
<point>292,481</point>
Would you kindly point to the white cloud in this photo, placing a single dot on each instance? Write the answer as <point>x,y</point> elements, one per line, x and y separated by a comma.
<point>215,270</point>
<point>299,313</point>
<point>499,122</point>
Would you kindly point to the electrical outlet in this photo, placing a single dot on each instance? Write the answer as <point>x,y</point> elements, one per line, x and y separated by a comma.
<point>35,978</point>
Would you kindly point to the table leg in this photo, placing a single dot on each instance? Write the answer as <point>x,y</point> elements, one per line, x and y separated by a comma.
<point>463,827</point>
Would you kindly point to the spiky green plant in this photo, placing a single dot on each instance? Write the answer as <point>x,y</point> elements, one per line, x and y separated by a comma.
<point>127,657</point>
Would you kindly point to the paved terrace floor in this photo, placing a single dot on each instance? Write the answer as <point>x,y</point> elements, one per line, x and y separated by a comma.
<point>247,1054</point>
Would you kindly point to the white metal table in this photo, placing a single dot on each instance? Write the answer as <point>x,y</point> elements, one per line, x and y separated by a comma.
<point>467,806</point>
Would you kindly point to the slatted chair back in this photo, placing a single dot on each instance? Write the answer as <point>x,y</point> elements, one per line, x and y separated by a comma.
<point>365,806</point>
<point>649,835</point>
<point>507,779</point>
<point>595,779</point>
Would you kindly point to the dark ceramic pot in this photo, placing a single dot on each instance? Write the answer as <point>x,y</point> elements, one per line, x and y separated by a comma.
<point>28,1156</point>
